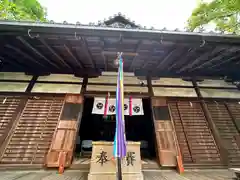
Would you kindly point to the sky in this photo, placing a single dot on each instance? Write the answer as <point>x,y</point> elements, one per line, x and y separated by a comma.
<point>171,14</point>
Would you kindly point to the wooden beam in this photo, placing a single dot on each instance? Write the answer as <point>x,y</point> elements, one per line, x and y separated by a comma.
<point>114,53</point>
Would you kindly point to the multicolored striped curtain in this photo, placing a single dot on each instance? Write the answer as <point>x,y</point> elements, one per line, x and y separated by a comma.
<point>120,138</point>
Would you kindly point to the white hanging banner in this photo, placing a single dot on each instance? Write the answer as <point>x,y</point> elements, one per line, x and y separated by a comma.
<point>126,106</point>
<point>99,106</point>
<point>111,109</point>
<point>137,107</point>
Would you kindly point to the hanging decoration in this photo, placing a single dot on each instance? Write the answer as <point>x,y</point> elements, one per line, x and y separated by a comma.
<point>119,146</point>
<point>98,105</point>
<point>130,106</point>
<point>107,106</point>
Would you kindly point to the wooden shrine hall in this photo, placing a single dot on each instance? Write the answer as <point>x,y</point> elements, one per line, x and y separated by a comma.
<point>51,72</point>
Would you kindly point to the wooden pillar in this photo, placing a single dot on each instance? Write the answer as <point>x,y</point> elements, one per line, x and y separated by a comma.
<point>31,84</point>
<point>222,150</point>
<point>234,120</point>
<point>149,85</point>
<point>84,86</point>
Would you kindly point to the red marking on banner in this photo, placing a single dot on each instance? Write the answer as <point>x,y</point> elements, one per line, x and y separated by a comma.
<point>130,105</point>
<point>106,106</point>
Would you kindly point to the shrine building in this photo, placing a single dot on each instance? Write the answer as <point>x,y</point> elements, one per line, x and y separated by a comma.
<point>184,87</point>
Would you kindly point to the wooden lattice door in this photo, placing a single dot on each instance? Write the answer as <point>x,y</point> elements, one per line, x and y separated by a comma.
<point>164,133</point>
<point>63,142</point>
<point>225,117</point>
<point>9,110</point>
<point>32,135</point>
<point>195,138</point>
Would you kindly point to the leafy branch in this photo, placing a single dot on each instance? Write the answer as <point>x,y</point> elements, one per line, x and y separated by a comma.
<point>225,14</point>
<point>27,10</point>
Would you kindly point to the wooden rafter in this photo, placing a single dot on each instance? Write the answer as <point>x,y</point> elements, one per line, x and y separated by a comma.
<point>36,51</point>
<point>86,50</point>
<point>72,55</point>
<point>137,48</point>
<point>225,53</point>
<point>54,53</point>
<point>24,54</point>
<point>166,58</point>
<point>200,58</point>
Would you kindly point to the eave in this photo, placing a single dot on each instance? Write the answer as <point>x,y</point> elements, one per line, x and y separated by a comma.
<point>87,50</point>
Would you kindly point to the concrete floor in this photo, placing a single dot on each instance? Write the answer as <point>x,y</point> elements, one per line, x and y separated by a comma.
<point>149,175</point>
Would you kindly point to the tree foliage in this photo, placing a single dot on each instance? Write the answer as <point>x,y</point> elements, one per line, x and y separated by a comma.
<point>225,14</point>
<point>29,10</point>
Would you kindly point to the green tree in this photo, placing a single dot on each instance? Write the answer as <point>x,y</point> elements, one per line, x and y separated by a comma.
<point>28,10</point>
<point>225,14</point>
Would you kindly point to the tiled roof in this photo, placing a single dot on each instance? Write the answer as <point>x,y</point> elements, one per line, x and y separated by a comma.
<point>130,24</point>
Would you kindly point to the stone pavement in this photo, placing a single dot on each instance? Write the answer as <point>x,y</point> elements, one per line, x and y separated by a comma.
<point>149,175</point>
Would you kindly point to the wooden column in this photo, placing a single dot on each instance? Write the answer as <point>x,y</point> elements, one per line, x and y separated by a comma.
<point>164,133</point>
<point>149,85</point>
<point>64,138</point>
<point>222,150</point>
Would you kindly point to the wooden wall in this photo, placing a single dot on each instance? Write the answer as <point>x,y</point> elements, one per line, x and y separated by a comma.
<point>204,114</point>
<point>163,87</point>
<point>54,83</point>
<point>14,82</point>
<point>166,87</point>
<point>107,83</point>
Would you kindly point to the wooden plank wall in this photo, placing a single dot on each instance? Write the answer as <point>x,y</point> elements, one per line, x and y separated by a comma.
<point>54,83</point>
<point>166,87</point>
<point>37,121</point>
<point>107,83</point>
<point>164,133</point>
<point>66,132</point>
<point>29,141</point>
